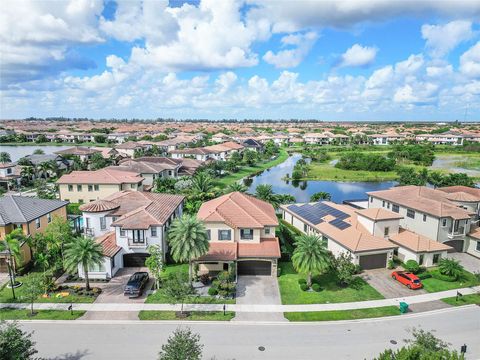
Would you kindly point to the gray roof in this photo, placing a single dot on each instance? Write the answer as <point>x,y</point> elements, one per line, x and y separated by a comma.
<point>22,209</point>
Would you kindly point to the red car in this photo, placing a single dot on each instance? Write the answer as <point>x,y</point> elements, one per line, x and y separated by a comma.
<point>407,278</point>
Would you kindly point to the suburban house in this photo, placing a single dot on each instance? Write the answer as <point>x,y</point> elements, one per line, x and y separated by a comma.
<point>9,175</point>
<point>30,214</point>
<point>150,171</point>
<point>325,138</point>
<point>125,224</point>
<point>386,139</point>
<point>220,137</point>
<point>37,159</point>
<point>442,216</point>
<point>441,139</point>
<point>214,152</point>
<point>241,231</point>
<point>128,148</point>
<point>186,166</point>
<point>200,154</point>
<point>86,186</point>
<point>83,152</point>
<point>252,144</point>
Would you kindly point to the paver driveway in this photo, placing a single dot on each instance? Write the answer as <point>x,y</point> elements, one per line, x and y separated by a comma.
<point>3,278</point>
<point>469,262</point>
<point>381,280</point>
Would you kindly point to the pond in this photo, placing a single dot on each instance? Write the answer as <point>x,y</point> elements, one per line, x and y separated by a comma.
<point>302,191</point>
<point>17,152</point>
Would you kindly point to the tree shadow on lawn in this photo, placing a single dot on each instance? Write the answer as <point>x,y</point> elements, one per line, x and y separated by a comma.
<point>80,354</point>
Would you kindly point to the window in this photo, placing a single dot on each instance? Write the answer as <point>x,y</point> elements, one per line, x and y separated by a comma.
<point>79,187</point>
<point>37,223</point>
<point>246,234</point>
<point>386,231</point>
<point>49,218</point>
<point>122,232</point>
<point>478,246</point>
<point>9,171</point>
<point>325,241</point>
<point>96,268</point>
<point>90,187</point>
<point>80,201</point>
<point>70,187</point>
<point>112,264</point>
<point>153,231</point>
<point>224,234</point>
<point>267,231</point>
<point>209,234</point>
<point>411,213</point>
<point>444,222</point>
<point>420,259</point>
<point>103,223</point>
<point>170,172</point>
<point>132,186</point>
<point>96,187</point>
<point>388,205</point>
<point>371,199</point>
<point>424,217</point>
<point>138,236</point>
<point>436,258</point>
<point>395,208</point>
<point>383,203</point>
<point>305,227</point>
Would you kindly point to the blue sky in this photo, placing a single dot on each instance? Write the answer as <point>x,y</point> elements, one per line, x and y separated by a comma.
<point>327,60</point>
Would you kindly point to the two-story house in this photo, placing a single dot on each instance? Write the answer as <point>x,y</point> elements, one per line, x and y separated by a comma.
<point>125,224</point>
<point>30,214</point>
<point>241,231</point>
<point>86,186</point>
<point>83,152</point>
<point>150,171</point>
<point>9,175</point>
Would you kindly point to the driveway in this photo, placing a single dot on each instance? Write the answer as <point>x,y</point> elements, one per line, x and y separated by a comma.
<point>3,278</point>
<point>469,262</point>
<point>380,279</point>
<point>258,290</point>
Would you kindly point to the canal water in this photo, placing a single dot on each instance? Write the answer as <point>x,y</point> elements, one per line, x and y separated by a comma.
<point>302,190</point>
<point>17,152</point>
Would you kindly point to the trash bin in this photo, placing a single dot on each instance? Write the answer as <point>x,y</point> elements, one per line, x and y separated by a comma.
<point>403,307</point>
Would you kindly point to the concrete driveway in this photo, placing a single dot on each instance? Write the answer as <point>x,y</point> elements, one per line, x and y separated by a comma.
<point>469,262</point>
<point>258,290</point>
<point>380,279</point>
<point>3,278</point>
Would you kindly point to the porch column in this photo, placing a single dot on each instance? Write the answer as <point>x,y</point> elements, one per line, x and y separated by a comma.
<point>274,267</point>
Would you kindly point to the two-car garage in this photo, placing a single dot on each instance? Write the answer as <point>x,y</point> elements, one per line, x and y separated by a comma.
<point>254,267</point>
<point>374,261</point>
<point>134,259</point>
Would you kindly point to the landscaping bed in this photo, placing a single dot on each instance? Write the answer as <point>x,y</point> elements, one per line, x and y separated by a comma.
<point>330,292</point>
<point>192,316</point>
<point>23,314</point>
<point>463,300</point>
<point>342,314</point>
<point>438,282</point>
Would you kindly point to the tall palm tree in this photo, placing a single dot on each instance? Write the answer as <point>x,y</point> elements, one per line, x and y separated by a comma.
<point>188,240</point>
<point>43,260</point>
<point>310,256</point>
<point>27,173</point>
<point>235,187</point>
<point>84,251</point>
<point>321,195</point>
<point>11,245</point>
<point>202,186</point>
<point>5,157</point>
<point>265,192</point>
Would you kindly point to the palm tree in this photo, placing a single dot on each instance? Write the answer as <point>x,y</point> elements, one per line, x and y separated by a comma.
<point>11,245</point>
<point>27,173</point>
<point>202,185</point>
<point>188,240</point>
<point>5,157</point>
<point>450,267</point>
<point>43,260</point>
<point>319,196</point>
<point>310,256</point>
<point>84,251</point>
<point>235,187</point>
<point>265,192</point>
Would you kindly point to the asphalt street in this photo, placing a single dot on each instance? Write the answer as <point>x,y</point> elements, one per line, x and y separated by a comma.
<point>362,339</point>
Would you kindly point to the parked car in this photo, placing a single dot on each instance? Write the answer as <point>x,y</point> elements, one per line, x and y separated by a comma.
<point>407,278</point>
<point>136,284</point>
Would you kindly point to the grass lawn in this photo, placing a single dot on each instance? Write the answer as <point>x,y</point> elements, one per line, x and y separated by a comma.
<point>251,170</point>
<point>435,285</point>
<point>326,171</point>
<point>464,300</point>
<point>194,316</point>
<point>22,314</point>
<point>332,293</point>
<point>342,314</point>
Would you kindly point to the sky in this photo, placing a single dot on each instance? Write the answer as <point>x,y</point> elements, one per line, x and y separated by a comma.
<point>345,60</point>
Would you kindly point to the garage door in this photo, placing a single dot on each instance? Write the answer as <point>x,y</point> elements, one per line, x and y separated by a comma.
<point>254,268</point>
<point>373,261</point>
<point>134,260</point>
<point>457,245</point>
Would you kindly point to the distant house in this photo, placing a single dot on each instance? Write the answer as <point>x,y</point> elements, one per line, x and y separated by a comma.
<point>9,175</point>
<point>125,224</point>
<point>87,186</point>
<point>62,163</point>
<point>128,148</point>
<point>386,139</point>
<point>84,153</point>
<point>214,152</point>
<point>441,139</point>
<point>150,171</point>
<point>186,166</point>
<point>220,137</point>
<point>30,214</point>
<point>252,144</point>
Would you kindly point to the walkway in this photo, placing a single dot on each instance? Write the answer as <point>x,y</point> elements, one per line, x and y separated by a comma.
<point>469,262</point>
<point>252,308</point>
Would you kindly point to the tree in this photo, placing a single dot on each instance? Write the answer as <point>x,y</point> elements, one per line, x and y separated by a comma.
<point>202,186</point>
<point>265,192</point>
<point>12,244</point>
<point>97,161</point>
<point>235,187</point>
<point>38,152</point>
<point>33,287</point>
<point>178,288</point>
<point>310,256</point>
<point>344,268</point>
<point>41,139</point>
<point>182,345</point>
<point>83,251</point>
<point>5,157</point>
<point>43,191</point>
<point>154,262</point>
<point>188,240</point>
<point>43,260</point>
<point>250,157</point>
<point>27,173</point>
<point>319,196</point>
<point>450,267</point>
<point>15,344</point>
<point>100,139</point>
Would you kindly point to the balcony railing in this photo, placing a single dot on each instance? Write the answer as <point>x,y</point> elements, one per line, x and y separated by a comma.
<point>136,243</point>
<point>89,232</point>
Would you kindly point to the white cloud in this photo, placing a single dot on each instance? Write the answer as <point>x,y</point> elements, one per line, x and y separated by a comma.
<point>292,57</point>
<point>358,56</point>
<point>441,39</point>
<point>470,61</point>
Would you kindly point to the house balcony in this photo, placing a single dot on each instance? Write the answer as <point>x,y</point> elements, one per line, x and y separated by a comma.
<point>137,244</point>
<point>456,234</point>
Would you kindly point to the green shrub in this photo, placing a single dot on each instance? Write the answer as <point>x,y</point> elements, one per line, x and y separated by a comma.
<point>302,281</point>
<point>212,291</point>
<point>391,264</point>
<point>424,276</point>
<point>442,277</point>
<point>450,268</point>
<point>412,266</point>
<point>304,287</point>
<point>316,287</point>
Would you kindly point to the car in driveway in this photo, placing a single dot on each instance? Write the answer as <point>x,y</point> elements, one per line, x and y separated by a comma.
<point>136,284</point>
<point>408,279</point>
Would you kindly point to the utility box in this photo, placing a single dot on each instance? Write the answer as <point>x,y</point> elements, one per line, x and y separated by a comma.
<point>403,307</point>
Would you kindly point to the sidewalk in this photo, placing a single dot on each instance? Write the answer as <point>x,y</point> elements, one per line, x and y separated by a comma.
<point>251,308</point>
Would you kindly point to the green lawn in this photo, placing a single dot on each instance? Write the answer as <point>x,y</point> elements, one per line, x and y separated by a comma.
<point>435,285</point>
<point>22,314</point>
<point>464,300</point>
<point>292,294</point>
<point>326,171</point>
<point>342,314</point>
<point>194,316</point>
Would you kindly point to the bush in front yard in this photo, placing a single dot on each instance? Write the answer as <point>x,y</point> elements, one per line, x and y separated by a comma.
<point>412,266</point>
<point>316,287</point>
<point>304,287</point>
<point>212,291</point>
<point>302,281</point>
<point>424,276</point>
<point>442,277</point>
<point>450,268</point>
<point>391,264</point>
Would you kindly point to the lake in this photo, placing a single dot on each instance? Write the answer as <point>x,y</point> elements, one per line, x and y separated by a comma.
<point>302,191</point>
<point>17,152</point>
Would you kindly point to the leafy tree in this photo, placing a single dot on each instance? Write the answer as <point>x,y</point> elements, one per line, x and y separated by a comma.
<point>202,186</point>
<point>43,260</point>
<point>236,157</point>
<point>43,191</point>
<point>15,344</point>
<point>235,187</point>
<point>83,251</point>
<point>270,148</point>
<point>182,345</point>
<point>265,192</point>
<point>361,161</point>
<point>178,287</point>
<point>165,185</point>
<point>310,256</point>
<point>97,161</point>
<point>250,157</point>
<point>319,196</point>
<point>188,240</point>
<point>33,287</point>
<point>41,139</point>
<point>154,262</point>
<point>11,244</point>
<point>450,267</point>
<point>5,157</point>
<point>409,176</point>
<point>344,268</point>
<point>100,139</point>
<point>27,173</point>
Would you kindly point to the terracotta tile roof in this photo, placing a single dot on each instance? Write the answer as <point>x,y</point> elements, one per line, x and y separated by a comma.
<point>109,244</point>
<point>464,189</point>
<point>229,251</point>
<point>99,206</point>
<point>78,150</point>
<point>101,176</point>
<point>238,210</point>
<point>416,242</point>
<point>463,197</point>
<point>475,233</point>
<point>421,198</point>
<point>220,251</point>
<point>142,167</point>
<point>129,145</point>
<point>378,214</point>
<point>226,146</point>
<point>6,165</point>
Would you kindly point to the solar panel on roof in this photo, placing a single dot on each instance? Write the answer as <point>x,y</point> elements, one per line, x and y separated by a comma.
<point>339,224</point>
